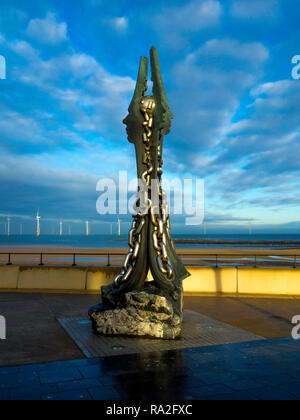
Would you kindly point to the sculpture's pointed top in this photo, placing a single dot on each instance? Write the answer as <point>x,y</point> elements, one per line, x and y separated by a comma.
<point>163,113</point>
<point>141,86</point>
<point>134,117</point>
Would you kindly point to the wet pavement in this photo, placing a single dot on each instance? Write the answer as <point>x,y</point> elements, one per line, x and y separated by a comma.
<point>39,360</point>
<point>35,336</point>
<point>267,370</point>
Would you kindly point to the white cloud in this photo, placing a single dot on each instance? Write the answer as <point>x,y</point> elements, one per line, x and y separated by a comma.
<point>254,9</point>
<point>281,87</point>
<point>14,126</point>
<point>27,132</point>
<point>120,23</point>
<point>91,92</point>
<point>266,144</point>
<point>211,82</point>
<point>48,30</point>
<point>24,49</point>
<point>253,52</point>
<point>195,15</point>
<point>81,65</point>
<point>274,114</point>
<point>173,22</point>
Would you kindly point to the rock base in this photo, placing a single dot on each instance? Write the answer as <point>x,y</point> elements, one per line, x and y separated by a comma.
<point>144,314</point>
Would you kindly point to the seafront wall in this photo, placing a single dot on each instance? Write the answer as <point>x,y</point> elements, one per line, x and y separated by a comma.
<point>227,281</point>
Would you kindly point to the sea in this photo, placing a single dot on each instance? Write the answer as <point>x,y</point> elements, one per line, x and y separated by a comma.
<point>211,241</point>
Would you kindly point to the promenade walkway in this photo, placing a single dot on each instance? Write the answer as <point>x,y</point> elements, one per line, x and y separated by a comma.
<point>268,370</point>
<point>40,361</point>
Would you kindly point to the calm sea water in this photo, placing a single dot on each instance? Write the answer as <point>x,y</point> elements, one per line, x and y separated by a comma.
<point>105,241</point>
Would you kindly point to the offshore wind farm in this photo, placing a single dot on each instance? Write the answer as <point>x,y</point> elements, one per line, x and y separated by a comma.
<point>42,233</point>
<point>76,237</point>
<point>114,240</point>
<point>47,231</point>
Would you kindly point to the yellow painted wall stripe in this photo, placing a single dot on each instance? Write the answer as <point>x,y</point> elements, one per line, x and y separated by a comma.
<point>233,281</point>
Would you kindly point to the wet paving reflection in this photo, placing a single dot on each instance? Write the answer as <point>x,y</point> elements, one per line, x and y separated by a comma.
<point>157,375</point>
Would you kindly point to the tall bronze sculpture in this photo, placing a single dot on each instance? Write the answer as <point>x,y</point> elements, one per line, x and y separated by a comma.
<point>132,305</point>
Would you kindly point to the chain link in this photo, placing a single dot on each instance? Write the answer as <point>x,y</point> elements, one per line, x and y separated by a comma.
<point>159,215</point>
<point>160,242</point>
<point>147,107</point>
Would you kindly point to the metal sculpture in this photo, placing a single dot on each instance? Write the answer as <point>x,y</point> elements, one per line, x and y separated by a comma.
<point>146,308</point>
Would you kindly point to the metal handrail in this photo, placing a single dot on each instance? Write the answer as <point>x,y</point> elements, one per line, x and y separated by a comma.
<point>218,259</point>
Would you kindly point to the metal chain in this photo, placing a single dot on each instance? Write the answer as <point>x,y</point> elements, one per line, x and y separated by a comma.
<point>160,214</point>
<point>147,107</point>
<point>161,224</point>
<point>134,247</point>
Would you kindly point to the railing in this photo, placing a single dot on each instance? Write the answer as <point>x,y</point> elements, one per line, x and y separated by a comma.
<point>115,259</point>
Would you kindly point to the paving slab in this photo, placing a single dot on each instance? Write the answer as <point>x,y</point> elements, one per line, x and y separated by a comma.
<point>198,330</point>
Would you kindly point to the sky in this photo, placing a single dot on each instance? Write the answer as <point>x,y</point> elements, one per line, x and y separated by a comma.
<point>71,68</point>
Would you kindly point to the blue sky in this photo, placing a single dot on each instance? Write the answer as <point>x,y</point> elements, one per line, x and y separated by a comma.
<point>71,70</point>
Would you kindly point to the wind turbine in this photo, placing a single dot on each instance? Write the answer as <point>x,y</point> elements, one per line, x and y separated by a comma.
<point>87,228</point>
<point>8,226</point>
<point>119,227</point>
<point>60,228</point>
<point>250,228</point>
<point>38,228</point>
